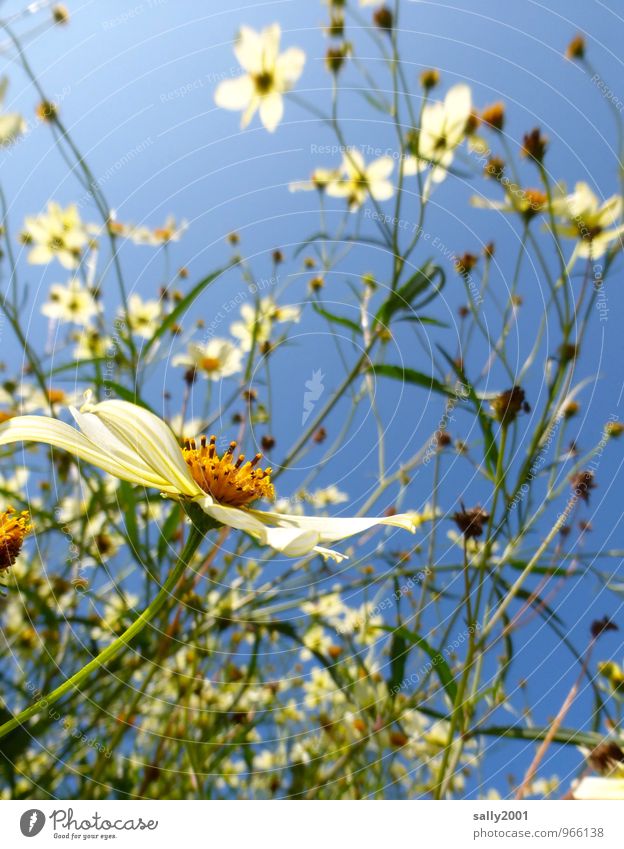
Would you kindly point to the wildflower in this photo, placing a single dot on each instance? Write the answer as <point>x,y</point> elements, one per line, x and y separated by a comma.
<point>320,179</point>
<point>383,18</point>
<point>13,528</point>
<point>358,180</point>
<point>525,202</point>
<point>256,323</point>
<point>56,234</point>
<point>494,116</point>
<point>584,218</point>
<point>324,497</point>
<point>171,231</point>
<point>470,522</point>
<point>337,56</point>
<point>93,345</point>
<point>143,316</point>
<point>72,303</point>
<point>11,123</point>
<point>217,359</point>
<point>429,78</point>
<point>269,74</point>
<point>576,48</point>
<point>614,429</point>
<point>133,444</point>
<point>443,128</point>
<point>534,145</point>
<point>582,484</point>
<point>46,110</point>
<point>60,14</point>
<point>507,405</point>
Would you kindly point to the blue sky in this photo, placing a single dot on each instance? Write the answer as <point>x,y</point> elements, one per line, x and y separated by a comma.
<point>135,84</point>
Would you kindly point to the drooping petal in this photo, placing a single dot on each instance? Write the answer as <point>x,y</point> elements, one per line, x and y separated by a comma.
<point>271,110</point>
<point>332,529</point>
<point>235,94</point>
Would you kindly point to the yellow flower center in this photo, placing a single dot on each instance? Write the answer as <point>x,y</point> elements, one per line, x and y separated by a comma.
<point>230,482</point>
<point>210,364</point>
<point>13,528</point>
<point>263,82</point>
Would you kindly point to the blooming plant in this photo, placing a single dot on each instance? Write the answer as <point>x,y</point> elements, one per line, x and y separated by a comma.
<point>298,479</point>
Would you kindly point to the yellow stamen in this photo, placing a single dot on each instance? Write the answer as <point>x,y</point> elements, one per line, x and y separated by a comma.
<point>210,364</point>
<point>230,482</point>
<point>13,528</point>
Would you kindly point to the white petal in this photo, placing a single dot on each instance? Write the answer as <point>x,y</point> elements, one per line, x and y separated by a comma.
<point>380,169</point>
<point>289,67</point>
<point>330,530</point>
<point>52,432</point>
<point>151,438</point>
<point>234,94</point>
<point>271,110</point>
<point>381,190</point>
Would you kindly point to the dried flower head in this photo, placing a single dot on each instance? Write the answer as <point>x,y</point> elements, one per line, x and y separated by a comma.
<point>534,145</point>
<point>429,78</point>
<point>470,522</point>
<point>601,626</point>
<point>494,116</point>
<point>606,757</point>
<point>60,14</point>
<point>582,484</point>
<point>383,18</point>
<point>508,404</point>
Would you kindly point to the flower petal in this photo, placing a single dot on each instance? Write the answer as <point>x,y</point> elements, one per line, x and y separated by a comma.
<point>332,529</point>
<point>52,432</point>
<point>271,110</point>
<point>234,94</point>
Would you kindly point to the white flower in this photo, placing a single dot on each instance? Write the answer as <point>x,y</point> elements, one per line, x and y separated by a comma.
<point>143,316</point>
<point>11,123</point>
<point>171,231</point>
<point>217,359</point>
<point>72,302</point>
<point>324,497</point>
<point>269,75</point>
<point>443,128</point>
<point>359,180</point>
<point>133,444</point>
<point>56,234</point>
<point>92,345</point>
<point>258,322</point>
<point>320,179</point>
<point>593,224</point>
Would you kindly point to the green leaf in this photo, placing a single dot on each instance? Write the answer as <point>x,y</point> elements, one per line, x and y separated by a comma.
<point>409,375</point>
<point>337,319</point>
<point>181,308</point>
<point>404,299</point>
<point>440,665</point>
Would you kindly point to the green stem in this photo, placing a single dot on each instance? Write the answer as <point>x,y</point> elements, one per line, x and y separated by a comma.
<point>196,535</point>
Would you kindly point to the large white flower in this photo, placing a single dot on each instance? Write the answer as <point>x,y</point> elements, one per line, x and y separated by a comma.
<point>133,444</point>
<point>443,128</point>
<point>593,224</point>
<point>269,75</point>
<point>360,180</point>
